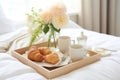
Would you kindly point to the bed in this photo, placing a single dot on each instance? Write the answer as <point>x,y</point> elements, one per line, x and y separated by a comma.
<point>108,68</point>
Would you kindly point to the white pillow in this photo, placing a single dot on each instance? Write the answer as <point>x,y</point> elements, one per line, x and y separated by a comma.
<point>5,24</point>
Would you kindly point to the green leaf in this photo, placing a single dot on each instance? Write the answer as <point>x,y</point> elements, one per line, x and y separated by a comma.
<point>57,30</point>
<point>46,29</point>
<point>35,34</point>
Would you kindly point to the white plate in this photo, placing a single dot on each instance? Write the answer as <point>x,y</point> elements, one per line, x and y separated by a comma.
<point>63,60</point>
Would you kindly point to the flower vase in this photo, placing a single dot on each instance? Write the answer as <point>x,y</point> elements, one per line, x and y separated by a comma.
<point>52,38</point>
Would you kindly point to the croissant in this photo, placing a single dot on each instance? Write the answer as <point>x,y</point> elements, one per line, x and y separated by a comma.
<point>32,49</point>
<point>52,58</point>
<point>42,53</point>
<point>44,50</point>
<point>34,55</point>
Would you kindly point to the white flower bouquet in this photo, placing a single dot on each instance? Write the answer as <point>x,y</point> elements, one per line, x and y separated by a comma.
<point>47,21</point>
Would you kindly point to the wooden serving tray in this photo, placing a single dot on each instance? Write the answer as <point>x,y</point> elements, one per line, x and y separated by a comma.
<point>54,71</point>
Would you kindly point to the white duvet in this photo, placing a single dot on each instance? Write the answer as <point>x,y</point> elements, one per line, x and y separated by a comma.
<point>108,68</point>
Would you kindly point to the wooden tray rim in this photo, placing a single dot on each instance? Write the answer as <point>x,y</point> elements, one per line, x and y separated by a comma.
<point>56,72</point>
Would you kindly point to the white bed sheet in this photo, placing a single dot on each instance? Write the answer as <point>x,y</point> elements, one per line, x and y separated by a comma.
<point>108,68</point>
